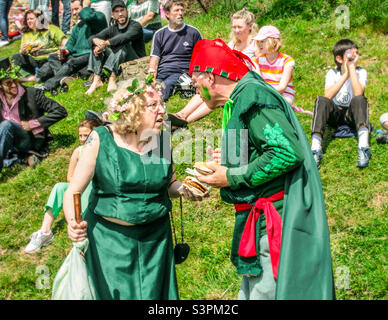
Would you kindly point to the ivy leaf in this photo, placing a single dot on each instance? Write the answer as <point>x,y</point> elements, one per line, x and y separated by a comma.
<point>149,79</point>
<point>115,116</point>
<point>139,92</point>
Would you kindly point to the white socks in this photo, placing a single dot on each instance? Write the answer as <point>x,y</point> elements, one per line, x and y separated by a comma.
<point>363,138</point>
<point>316,143</point>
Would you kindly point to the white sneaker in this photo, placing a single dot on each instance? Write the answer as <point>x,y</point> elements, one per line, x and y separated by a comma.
<point>38,240</point>
<point>4,43</point>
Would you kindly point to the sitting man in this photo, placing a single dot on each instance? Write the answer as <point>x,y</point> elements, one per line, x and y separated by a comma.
<point>76,54</point>
<point>25,115</point>
<point>147,13</point>
<point>172,47</point>
<point>121,42</point>
<point>344,102</point>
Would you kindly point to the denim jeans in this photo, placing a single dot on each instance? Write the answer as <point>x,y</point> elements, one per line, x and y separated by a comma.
<point>28,66</point>
<point>13,139</point>
<point>66,14</point>
<point>42,5</point>
<point>108,60</point>
<point>148,34</point>
<point>170,80</point>
<point>5,6</point>
<point>63,69</point>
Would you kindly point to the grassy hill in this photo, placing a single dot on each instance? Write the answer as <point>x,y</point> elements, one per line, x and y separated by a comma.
<point>356,200</point>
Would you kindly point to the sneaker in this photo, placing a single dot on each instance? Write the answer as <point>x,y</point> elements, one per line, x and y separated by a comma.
<point>40,86</point>
<point>382,137</point>
<point>4,43</point>
<point>363,157</point>
<point>317,155</point>
<point>38,240</point>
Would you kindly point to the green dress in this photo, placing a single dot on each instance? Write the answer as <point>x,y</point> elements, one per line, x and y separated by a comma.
<point>131,262</point>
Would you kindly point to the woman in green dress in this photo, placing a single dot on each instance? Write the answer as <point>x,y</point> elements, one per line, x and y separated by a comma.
<point>130,254</point>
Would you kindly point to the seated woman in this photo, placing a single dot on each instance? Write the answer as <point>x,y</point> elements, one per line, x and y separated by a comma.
<point>53,207</point>
<point>39,39</point>
<point>244,29</point>
<point>130,254</point>
<point>274,67</point>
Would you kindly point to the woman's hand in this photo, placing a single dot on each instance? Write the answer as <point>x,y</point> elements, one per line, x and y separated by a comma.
<point>77,231</point>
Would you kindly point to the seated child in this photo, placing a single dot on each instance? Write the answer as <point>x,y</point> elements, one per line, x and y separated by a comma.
<point>344,102</point>
<point>44,235</point>
<point>274,67</point>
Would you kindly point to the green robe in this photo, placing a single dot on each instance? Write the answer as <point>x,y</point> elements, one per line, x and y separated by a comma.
<point>277,157</point>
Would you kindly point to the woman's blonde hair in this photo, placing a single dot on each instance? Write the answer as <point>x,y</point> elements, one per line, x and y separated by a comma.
<point>249,18</point>
<point>129,120</point>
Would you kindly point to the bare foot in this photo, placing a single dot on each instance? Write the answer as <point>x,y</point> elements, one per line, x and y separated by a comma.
<point>95,85</point>
<point>112,84</point>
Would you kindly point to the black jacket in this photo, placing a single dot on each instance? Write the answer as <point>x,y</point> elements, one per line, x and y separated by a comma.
<point>35,105</point>
<point>130,38</point>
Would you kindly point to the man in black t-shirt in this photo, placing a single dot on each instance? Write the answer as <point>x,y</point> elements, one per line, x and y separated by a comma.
<point>172,47</point>
<point>121,42</point>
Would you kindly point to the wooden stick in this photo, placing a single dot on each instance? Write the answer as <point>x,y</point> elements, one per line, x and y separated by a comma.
<point>77,207</point>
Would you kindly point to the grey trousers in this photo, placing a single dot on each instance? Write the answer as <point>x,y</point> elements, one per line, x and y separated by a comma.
<point>263,286</point>
<point>108,60</point>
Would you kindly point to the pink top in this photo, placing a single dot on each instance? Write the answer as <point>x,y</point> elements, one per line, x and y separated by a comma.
<point>12,112</point>
<point>272,72</point>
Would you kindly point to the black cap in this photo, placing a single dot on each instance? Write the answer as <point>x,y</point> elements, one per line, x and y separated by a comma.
<point>118,3</point>
<point>4,63</point>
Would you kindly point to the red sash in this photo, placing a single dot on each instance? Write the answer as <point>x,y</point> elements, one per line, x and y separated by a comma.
<point>273,220</point>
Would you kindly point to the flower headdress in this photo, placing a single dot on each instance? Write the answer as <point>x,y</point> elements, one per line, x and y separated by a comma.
<point>8,70</point>
<point>121,100</point>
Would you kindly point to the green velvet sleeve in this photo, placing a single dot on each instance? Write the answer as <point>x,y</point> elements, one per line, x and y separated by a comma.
<point>275,143</point>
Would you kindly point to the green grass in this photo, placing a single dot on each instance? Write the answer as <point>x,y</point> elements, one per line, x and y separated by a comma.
<point>356,200</point>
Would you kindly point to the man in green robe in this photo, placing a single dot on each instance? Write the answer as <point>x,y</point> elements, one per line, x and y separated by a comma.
<point>281,238</point>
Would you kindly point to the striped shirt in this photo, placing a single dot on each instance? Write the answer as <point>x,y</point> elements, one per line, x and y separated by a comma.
<point>272,72</point>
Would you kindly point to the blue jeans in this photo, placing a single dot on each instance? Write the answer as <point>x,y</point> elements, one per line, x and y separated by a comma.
<point>66,14</point>
<point>13,139</point>
<point>148,34</point>
<point>170,80</point>
<point>5,6</point>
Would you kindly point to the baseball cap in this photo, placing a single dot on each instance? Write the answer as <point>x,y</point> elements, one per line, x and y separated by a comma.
<point>267,32</point>
<point>118,3</point>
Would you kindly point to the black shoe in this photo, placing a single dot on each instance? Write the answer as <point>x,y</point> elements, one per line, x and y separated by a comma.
<point>54,92</point>
<point>382,137</point>
<point>176,122</point>
<point>90,114</point>
<point>64,87</point>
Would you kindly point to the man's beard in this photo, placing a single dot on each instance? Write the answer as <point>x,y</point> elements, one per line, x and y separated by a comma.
<point>177,23</point>
<point>124,23</point>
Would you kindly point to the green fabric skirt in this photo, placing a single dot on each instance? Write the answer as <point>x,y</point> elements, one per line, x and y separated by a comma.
<point>131,262</point>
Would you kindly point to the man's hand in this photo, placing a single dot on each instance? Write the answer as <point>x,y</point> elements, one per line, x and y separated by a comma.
<point>214,155</point>
<point>25,125</point>
<point>59,53</point>
<point>218,179</point>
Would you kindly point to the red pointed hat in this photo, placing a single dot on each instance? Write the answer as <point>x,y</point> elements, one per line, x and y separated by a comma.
<point>216,57</point>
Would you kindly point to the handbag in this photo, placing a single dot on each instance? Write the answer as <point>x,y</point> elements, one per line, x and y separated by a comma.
<point>182,249</point>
